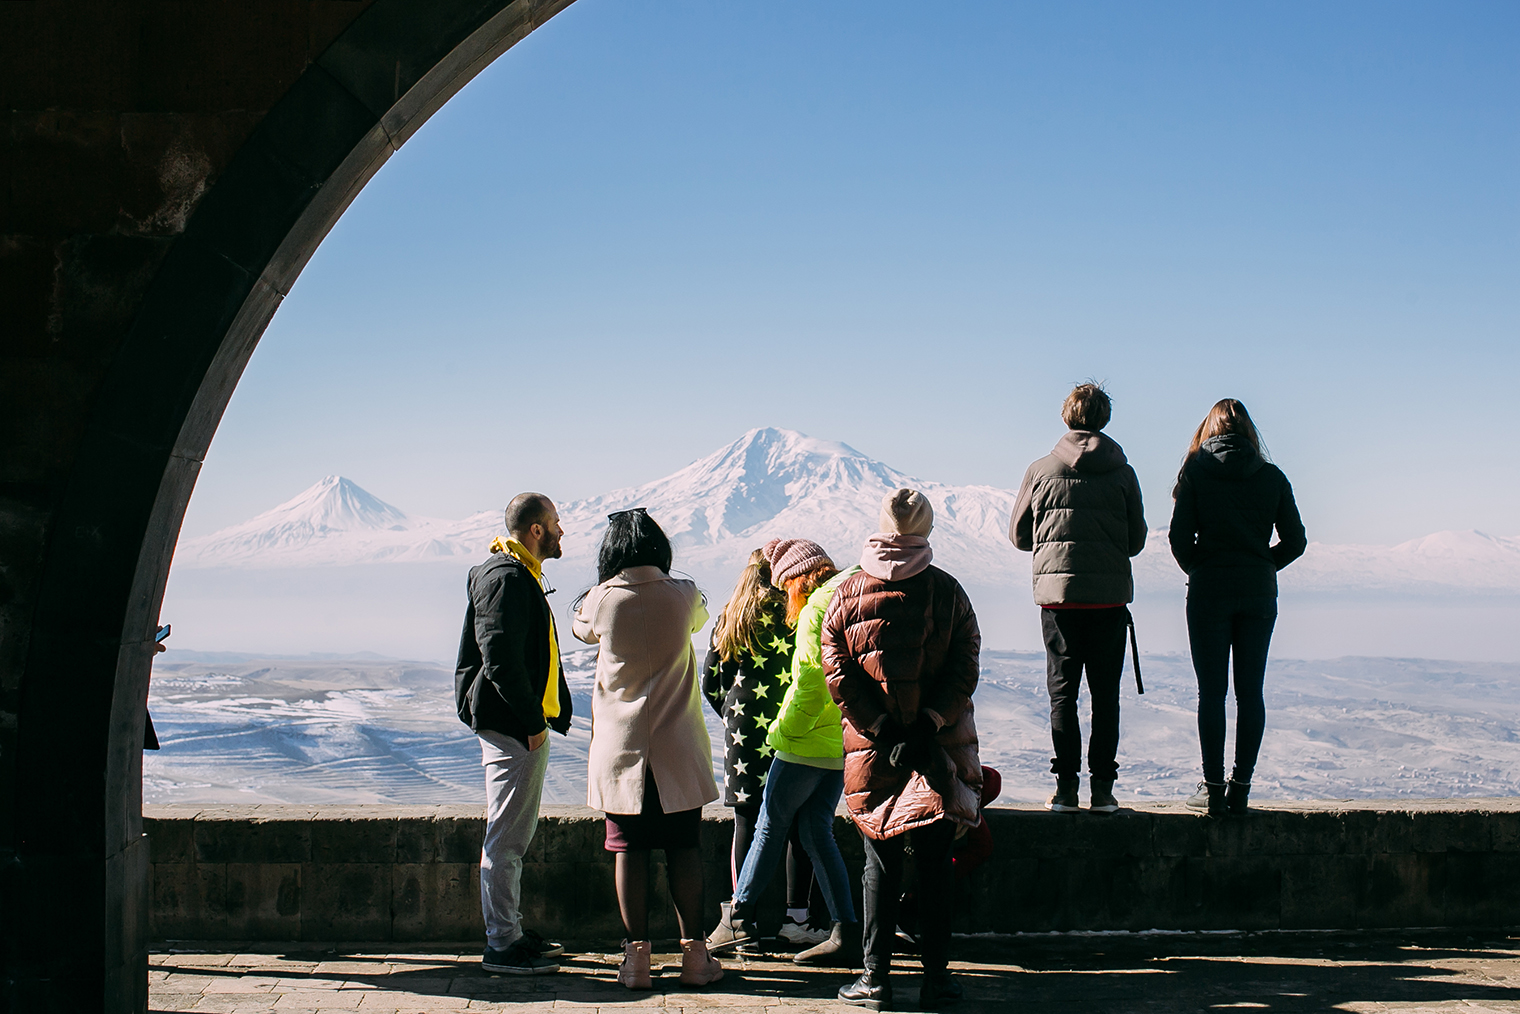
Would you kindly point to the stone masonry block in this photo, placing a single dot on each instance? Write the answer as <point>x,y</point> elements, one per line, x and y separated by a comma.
<point>1179,834</point>
<point>1238,892</point>
<point>1460,831</point>
<point>1320,892</point>
<point>251,840</point>
<point>459,839</point>
<point>1482,889</point>
<point>264,901</point>
<point>350,837</point>
<point>1402,890</point>
<point>1309,833</point>
<point>170,841</point>
<point>1504,830</point>
<point>1393,832</point>
<point>417,838</point>
<point>437,901</point>
<point>346,901</point>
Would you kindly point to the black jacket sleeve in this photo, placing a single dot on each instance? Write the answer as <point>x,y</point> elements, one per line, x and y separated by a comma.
<point>1183,534</point>
<point>1291,538</point>
<point>714,687</point>
<point>503,645</point>
<point>1135,507</point>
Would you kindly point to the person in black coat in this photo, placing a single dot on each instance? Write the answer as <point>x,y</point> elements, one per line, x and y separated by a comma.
<point>510,689</point>
<point>1228,499</point>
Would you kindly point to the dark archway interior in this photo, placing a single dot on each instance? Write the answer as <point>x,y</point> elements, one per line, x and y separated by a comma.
<point>169,169</point>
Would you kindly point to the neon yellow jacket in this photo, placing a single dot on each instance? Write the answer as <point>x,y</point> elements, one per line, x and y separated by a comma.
<point>809,724</point>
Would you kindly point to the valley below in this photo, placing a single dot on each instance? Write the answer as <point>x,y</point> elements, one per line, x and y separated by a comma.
<point>333,731</point>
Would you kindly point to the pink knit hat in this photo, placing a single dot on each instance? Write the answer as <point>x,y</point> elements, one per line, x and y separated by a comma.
<point>791,558</point>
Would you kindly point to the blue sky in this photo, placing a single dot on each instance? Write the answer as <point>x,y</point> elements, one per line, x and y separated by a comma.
<point>650,227</point>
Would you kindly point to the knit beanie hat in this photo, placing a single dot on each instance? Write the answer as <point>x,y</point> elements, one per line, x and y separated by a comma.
<point>791,558</point>
<point>906,512</point>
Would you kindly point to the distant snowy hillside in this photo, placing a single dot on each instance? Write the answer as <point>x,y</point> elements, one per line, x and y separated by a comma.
<point>775,483</point>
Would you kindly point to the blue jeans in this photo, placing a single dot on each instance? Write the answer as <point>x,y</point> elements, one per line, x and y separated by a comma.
<point>1218,627</point>
<point>807,795</point>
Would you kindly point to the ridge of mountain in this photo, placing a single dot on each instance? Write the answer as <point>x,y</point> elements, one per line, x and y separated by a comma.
<point>773,483</point>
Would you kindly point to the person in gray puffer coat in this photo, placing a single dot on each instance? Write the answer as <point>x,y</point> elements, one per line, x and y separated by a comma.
<point>1079,511</point>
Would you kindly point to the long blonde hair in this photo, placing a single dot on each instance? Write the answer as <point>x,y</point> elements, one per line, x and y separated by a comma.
<point>1227,416</point>
<point>734,633</point>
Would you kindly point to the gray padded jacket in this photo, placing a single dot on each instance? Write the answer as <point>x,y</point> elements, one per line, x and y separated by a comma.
<point>1079,510</point>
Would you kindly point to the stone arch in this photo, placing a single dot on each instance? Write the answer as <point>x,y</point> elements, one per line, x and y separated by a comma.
<point>73,860</point>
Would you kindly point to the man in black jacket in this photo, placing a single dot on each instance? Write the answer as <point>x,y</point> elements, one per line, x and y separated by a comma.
<point>510,691</point>
<point>1079,512</point>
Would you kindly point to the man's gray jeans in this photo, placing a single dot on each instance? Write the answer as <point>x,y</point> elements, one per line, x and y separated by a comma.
<point>514,786</point>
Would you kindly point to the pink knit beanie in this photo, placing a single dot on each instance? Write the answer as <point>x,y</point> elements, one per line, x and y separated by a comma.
<point>791,558</point>
<point>906,512</point>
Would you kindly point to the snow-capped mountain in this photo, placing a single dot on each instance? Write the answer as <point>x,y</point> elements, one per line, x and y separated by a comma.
<point>778,483</point>
<point>334,522</point>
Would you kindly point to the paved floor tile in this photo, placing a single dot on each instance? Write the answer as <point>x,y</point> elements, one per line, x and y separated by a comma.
<point>1428,973</point>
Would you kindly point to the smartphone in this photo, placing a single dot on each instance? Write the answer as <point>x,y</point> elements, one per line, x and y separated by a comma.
<point>163,632</point>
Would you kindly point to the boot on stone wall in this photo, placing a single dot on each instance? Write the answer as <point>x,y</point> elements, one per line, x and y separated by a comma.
<point>634,972</point>
<point>698,968</point>
<point>1235,798</point>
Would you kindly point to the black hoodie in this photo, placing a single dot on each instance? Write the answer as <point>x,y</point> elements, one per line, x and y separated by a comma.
<point>1228,500</point>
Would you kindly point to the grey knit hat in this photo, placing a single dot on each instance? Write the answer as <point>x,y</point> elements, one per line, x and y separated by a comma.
<point>791,558</point>
<point>906,512</point>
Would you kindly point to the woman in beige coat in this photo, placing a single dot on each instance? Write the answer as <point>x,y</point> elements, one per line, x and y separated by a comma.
<point>650,768</point>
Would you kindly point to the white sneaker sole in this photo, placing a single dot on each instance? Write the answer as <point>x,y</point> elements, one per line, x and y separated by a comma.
<point>1062,808</point>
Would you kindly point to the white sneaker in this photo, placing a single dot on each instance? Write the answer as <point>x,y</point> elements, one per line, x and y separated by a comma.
<point>801,934</point>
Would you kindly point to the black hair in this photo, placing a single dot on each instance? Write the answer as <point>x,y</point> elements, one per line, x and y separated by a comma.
<point>633,539</point>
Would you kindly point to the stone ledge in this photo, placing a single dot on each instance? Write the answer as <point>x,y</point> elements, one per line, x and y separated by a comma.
<point>411,872</point>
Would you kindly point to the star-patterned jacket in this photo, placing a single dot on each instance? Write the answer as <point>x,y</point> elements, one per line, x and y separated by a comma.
<point>746,693</point>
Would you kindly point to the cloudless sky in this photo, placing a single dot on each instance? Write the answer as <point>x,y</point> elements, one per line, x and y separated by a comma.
<point>651,226</point>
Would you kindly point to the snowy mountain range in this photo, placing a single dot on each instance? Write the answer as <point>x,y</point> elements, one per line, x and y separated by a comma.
<point>774,483</point>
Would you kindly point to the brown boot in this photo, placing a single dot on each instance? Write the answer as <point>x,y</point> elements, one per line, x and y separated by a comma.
<point>698,968</point>
<point>634,972</point>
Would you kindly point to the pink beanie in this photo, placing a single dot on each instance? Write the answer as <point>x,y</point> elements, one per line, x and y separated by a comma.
<point>791,558</point>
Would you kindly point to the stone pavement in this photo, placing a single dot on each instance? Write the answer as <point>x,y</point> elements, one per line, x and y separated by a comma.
<point>1413,971</point>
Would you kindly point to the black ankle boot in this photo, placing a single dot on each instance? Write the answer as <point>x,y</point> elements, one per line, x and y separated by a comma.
<point>939,990</point>
<point>871,990</point>
<point>1235,798</point>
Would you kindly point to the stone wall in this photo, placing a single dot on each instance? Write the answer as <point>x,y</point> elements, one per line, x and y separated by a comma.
<point>410,873</point>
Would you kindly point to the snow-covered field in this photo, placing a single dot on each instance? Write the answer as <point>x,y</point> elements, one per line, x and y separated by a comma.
<point>239,729</point>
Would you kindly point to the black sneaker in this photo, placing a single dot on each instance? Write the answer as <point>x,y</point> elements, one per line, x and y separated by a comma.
<point>871,990</point>
<point>939,990</point>
<point>545,948</point>
<point>1065,800</point>
<point>519,959</point>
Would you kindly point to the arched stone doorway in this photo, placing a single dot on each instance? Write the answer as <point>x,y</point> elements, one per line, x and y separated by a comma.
<point>118,379</point>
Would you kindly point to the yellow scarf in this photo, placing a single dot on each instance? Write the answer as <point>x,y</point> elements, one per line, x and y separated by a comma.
<point>536,568</point>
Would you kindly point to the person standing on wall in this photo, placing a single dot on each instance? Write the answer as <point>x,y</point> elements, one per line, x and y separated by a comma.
<point>1227,500</point>
<point>901,650</point>
<point>650,766</point>
<point>509,689</point>
<point>744,677</point>
<point>1079,511</point>
<point>806,776</point>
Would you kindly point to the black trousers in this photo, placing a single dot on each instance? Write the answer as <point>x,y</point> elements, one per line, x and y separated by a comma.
<point>883,891</point>
<point>1219,627</point>
<point>1078,639</point>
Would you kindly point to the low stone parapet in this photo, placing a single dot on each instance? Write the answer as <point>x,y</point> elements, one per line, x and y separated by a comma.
<point>368,873</point>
